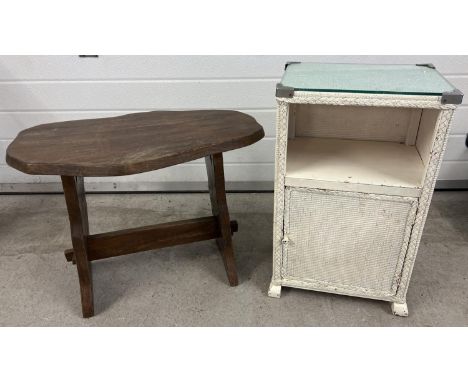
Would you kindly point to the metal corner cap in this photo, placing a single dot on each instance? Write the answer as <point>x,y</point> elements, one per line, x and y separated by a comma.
<point>454,97</point>
<point>284,91</point>
<point>429,65</point>
<point>290,63</point>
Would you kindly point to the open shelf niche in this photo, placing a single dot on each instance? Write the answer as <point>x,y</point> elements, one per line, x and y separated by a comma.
<point>380,150</point>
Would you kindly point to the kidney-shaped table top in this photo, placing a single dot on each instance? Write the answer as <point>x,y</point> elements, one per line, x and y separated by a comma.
<point>131,143</point>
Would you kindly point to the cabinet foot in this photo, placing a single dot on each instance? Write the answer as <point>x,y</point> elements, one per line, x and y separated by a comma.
<point>274,290</point>
<point>400,309</point>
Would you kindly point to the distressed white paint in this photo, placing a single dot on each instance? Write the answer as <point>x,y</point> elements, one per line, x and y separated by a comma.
<point>399,309</point>
<point>426,133</point>
<point>41,89</point>
<point>348,165</point>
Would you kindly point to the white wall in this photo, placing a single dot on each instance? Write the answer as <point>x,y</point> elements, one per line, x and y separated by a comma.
<point>39,89</point>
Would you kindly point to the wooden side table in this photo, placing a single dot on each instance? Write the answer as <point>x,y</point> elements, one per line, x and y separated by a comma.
<point>132,144</point>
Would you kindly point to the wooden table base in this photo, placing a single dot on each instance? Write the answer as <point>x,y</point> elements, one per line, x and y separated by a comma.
<point>87,248</point>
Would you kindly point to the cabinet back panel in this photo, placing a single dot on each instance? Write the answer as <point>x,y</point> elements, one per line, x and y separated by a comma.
<point>355,122</point>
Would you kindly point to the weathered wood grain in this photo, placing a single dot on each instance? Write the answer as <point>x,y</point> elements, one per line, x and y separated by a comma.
<point>214,167</point>
<point>73,188</point>
<point>126,241</point>
<point>129,144</point>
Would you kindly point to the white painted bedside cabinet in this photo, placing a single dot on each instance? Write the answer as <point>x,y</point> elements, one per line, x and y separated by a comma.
<point>358,150</point>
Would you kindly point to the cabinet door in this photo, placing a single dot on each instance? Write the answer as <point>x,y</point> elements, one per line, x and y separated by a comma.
<point>345,240</point>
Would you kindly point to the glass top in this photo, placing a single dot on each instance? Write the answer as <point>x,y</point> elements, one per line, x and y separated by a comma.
<point>357,78</point>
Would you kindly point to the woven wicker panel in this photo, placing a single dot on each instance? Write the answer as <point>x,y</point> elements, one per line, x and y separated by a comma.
<point>353,122</point>
<point>346,239</point>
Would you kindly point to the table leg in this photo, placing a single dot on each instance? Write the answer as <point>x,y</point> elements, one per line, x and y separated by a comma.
<point>73,188</point>
<point>215,170</point>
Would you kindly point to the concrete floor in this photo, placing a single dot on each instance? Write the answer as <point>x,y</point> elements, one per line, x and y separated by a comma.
<point>187,286</point>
